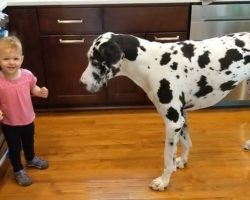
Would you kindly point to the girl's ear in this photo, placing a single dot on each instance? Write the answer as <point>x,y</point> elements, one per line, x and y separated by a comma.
<point>22,59</point>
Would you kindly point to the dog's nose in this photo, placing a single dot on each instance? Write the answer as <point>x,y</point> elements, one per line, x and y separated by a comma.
<point>83,85</point>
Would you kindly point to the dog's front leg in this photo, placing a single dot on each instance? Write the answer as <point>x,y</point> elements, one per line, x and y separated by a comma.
<point>173,131</point>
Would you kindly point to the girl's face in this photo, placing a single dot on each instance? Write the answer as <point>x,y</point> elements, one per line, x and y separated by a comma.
<point>10,62</point>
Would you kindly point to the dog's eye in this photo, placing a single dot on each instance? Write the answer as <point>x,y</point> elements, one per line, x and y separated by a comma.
<point>95,63</point>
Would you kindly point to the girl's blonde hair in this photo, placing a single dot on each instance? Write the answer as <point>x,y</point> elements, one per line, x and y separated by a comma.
<point>11,42</point>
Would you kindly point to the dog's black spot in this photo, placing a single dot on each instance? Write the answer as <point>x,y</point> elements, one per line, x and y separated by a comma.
<point>183,102</point>
<point>177,76</point>
<point>203,60</point>
<point>204,88</point>
<point>165,59</point>
<point>171,143</point>
<point>246,59</point>
<point>228,72</point>
<point>172,114</point>
<point>96,56</point>
<point>228,85</point>
<point>97,43</point>
<point>174,66</point>
<point>239,43</point>
<point>244,49</point>
<point>185,70</point>
<point>175,52</point>
<point>142,48</point>
<point>188,106</point>
<point>182,134</point>
<point>164,93</point>
<point>188,50</point>
<point>177,130</point>
<point>128,44</point>
<point>231,56</point>
<point>115,70</point>
<point>182,99</point>
<point>230,35</point>
<point>99,62</point>
<point>96,77</point>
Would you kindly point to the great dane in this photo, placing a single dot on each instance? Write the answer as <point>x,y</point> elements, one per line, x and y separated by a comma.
<point>177,77</point>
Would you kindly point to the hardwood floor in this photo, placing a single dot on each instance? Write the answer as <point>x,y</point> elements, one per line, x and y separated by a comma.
<point>114,155</point>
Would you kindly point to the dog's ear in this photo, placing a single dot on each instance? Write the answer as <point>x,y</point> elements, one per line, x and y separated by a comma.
<point>128,44</point>
<point>111,52</point>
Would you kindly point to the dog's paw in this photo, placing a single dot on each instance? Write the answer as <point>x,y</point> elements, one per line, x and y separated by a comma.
<point>159,184</point>
<point>180,163</point>
<point>247,145</point>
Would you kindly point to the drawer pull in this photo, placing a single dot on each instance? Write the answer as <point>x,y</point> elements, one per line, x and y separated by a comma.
<point>62,41</point>
<point>74,21</point>
<point>166,38</point>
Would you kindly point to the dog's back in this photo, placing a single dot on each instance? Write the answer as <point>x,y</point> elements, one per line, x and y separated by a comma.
<point>205,71</point>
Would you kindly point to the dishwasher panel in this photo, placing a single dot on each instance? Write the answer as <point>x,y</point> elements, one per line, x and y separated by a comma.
<point>209,21</point>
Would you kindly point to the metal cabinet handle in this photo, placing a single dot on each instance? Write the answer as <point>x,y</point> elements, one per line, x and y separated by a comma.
<point>166,38</point>
<point>72,21</point>
<point>62,41</point>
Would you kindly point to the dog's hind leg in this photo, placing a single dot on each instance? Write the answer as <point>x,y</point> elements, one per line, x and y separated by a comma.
<point>173,129</point>
<point>186,144</point>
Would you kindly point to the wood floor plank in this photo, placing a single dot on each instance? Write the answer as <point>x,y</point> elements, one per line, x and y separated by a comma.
<point>114,155</point>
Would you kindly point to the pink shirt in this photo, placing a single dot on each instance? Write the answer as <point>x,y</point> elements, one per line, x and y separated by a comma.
<point>15,99</point>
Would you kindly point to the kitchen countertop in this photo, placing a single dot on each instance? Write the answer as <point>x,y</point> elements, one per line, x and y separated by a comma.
<point>83,2</point>
<point>5,3</point>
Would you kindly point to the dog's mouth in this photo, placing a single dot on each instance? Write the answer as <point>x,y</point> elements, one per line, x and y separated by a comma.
<point>93,89</point>
<point>89,88</point>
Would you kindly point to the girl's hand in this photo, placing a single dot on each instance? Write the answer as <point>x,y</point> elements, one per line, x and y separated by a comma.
<point>1,115</point>
<point>44,92</point>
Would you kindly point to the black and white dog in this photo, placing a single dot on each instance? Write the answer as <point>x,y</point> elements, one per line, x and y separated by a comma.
<point>177,77</point>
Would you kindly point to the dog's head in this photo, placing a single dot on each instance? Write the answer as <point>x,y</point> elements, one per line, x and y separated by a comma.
<point>105,58</point>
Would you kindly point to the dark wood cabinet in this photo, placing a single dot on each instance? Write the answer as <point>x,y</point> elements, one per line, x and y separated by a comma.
<point>146,19</point>
<point>66,35</point>
<point>56,40</point>
<point>149,22</point>
<point>23,23</point>
<point>70,20</point>
<point>3,149</point>
<point>64,61</point>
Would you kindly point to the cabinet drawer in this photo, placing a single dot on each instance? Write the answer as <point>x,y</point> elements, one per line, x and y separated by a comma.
<point>146,19</point>
<point>71,21</point>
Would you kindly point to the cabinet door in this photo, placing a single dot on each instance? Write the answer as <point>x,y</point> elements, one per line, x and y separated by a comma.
<point>65,60</point>
<point>23,23</point>
<point>124,92</point>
